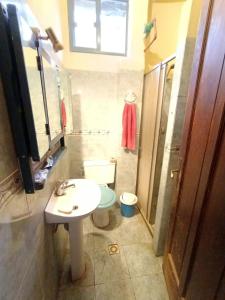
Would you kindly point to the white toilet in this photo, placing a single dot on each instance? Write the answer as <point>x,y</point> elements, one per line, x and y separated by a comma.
<point>103,172</point>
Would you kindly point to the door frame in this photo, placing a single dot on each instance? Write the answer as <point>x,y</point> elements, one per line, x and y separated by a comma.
<point>200,48</point>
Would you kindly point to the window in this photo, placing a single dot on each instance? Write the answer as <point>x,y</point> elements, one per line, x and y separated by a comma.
<point>98,26</point>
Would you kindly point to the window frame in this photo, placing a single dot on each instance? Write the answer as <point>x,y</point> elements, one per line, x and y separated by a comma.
<point>70,6</point>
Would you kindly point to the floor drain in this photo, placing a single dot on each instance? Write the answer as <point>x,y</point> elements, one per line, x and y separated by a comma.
<point>113,249</point>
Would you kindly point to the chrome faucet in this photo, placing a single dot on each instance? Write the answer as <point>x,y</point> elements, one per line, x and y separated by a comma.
<point>61,186</point>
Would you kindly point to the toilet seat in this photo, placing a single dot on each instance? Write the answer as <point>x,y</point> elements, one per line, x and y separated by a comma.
<point>101,214</point>
<point>108,197</point>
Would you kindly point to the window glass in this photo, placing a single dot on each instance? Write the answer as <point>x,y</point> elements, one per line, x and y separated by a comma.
<point>85,23</point>
<point>113,26</point>
<point>98,26</point>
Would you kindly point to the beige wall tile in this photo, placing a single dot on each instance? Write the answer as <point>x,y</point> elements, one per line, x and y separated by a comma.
<point>27,242</point>
<point>98,101</point>
<point>30,254</point>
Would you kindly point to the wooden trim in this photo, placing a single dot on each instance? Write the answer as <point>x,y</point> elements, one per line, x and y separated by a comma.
<point>192,96</point>
<point>192,92</point>
<point>196,72</point>
<point>221,287</point>
<point>214,141</point>
<point>170,281</point>
<point>207,261</point>
<point>171,278</point>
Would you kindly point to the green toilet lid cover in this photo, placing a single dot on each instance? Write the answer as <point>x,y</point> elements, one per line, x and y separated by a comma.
<point>108,197</point>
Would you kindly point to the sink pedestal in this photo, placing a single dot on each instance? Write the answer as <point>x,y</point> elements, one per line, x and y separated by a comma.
<point>76,249</point>
<point>71,208</point>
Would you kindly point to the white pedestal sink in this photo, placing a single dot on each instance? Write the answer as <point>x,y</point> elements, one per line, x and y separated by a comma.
<point>77,203</point>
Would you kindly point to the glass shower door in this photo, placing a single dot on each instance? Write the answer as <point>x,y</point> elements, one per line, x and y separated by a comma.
<point>161,139</point>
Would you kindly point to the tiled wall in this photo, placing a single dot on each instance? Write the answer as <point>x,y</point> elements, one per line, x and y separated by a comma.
<point>30,253</point>
<point>97,106</point>
<point>28,264</point>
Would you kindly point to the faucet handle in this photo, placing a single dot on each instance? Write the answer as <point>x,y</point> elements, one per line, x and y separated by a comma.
<point>59,191</point>
<point>58,183</point>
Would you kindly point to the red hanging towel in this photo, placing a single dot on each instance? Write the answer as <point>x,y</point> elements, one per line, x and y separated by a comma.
<point>63,113</point>
<point>129,126</point>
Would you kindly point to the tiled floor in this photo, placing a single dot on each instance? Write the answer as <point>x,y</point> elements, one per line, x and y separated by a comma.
<point>133,274</point>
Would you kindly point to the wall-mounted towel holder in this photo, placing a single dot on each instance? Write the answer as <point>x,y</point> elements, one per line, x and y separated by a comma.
<point>130,97</point>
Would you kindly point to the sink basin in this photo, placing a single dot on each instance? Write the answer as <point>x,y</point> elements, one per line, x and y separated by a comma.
<point>77,203</point>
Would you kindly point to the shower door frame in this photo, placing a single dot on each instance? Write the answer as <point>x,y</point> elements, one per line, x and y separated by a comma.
<point>161,95</point>
<point>153,154</point>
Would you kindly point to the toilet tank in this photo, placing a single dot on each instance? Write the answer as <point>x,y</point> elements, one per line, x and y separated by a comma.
<point>102,171</point>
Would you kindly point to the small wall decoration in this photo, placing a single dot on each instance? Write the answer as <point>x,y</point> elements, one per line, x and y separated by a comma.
<point>150,34</point>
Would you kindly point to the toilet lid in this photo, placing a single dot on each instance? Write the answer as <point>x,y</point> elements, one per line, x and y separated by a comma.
<point>108,197</point>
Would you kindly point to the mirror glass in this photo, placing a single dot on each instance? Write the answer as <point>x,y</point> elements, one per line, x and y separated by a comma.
<point>65,91</point>
<point>35,88</point>
<point>53,98</point>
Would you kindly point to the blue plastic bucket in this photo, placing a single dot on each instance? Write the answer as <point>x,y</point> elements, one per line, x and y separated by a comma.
<point>127,210</point>
<point>128,202</point>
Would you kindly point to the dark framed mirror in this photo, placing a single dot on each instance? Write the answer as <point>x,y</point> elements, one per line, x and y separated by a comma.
<point>39,108</point>
<point>31,86</point>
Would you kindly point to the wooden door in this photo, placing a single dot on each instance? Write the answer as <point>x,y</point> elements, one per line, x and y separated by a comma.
<point>194,262</point>
<point>207,268</point>
<point>149,113</point>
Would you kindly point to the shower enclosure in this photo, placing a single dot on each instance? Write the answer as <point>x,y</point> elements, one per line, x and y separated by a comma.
<point>156,102</point>
<point>167,87</point>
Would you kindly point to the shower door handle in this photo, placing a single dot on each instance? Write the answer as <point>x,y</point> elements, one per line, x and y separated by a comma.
<point>173,172</point>
<point>175,148</point>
